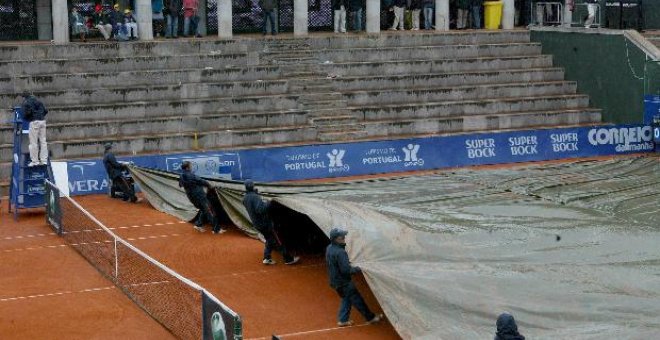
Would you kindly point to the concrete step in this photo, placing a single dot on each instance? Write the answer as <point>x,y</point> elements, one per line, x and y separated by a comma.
<point>421,66</point>
<point>390,39</point>
<point>135,78</point>
<point>172,142</point>
<point>123,64</point>
<point>125,94</point>
<point>342,135</point>
<point>428,52</point>
<point>166,108</point>
<point>414,81</point>
<point>468,108</point>
<point>124,49</point>
<point>176,124</point>
<point>325,104</point>
<point>333,120</point>
<point>485,122</point>
<point>456,93</point>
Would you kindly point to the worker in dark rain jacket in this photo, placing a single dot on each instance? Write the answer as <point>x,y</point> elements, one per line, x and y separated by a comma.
<point>507,328</point>
<point>194,187</point>
<point>340,272</point>
<point>257,209</point>
<point>114,170</point>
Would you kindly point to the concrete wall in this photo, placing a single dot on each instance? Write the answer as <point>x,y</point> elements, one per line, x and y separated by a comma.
<point>607,67</point>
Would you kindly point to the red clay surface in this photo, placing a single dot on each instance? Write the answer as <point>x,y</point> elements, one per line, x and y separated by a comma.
<point>294,302</point>
<point>49,291</point>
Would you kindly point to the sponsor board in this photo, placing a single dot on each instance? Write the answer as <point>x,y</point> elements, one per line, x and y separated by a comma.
<point>378,157</point>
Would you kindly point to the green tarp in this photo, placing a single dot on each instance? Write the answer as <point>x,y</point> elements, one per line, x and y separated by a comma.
<point>571,249</point>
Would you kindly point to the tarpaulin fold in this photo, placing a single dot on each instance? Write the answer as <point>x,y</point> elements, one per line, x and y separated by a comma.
<point>570,249</point>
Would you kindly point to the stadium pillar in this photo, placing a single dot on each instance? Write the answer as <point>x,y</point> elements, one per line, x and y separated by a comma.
<point>202,17</point>
<point>441,15</point>
<point>373,16</point>
<point>144,19</point>
<point>300,17</point>
<point>44,20</point>
<point>225,29</point>
<point>508,14</point>
<point>60,21</point>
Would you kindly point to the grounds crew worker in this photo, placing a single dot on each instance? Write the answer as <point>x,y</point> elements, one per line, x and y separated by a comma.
<point>35,112</point>
<point>257,209</point>
<point>340,271</point>
<point>114,170</point>
<point>194,187</point>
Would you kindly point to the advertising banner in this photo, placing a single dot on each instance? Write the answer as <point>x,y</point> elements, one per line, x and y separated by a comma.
<point>380,157</point>
<point>53,209</point>
<point>219,322</point>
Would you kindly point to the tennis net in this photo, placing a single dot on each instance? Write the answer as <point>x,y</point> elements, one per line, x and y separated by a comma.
<point>187,310</point>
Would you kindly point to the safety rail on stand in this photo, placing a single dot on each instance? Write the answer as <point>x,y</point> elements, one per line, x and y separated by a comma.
<point>27,185</point>
<point>546,13</point>
<point>580,12</point>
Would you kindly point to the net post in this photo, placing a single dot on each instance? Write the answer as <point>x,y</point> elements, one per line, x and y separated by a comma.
<point>116,261</point>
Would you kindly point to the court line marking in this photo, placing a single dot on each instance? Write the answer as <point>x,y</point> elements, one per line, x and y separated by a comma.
<point>160,224</point>
<point>310,332</point>
<point>66,292</point>
<point>81,244</point>
<point>87,290</point>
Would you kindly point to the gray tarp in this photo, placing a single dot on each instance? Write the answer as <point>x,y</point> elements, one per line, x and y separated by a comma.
<point>446,253</point>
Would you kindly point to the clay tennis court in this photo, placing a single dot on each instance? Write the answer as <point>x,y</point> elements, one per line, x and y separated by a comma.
<point>62,296</point>
<point>50,291</point>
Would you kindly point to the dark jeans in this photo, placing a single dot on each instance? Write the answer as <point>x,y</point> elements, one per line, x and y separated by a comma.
<point>205,213</point>
<point>273,243</point>
<point>126,189</point>
<point>351,297</point>
<point>269,15</point>
<point>476,17</point>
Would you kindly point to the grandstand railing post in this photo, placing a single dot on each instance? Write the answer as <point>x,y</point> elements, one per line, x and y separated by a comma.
<point>60,21</point>
<point>300,17</point>
<point>508,14</point>
<point>373,16</point>
<point>144,18</point>
<point>224,8</point>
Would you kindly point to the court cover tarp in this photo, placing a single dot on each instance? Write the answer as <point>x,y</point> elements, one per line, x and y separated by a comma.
<point>570,249</point>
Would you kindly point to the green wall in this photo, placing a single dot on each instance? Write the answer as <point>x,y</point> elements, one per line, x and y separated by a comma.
<point>607,67</point>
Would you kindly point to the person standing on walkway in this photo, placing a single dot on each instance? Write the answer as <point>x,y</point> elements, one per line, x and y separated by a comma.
<point>339,8</point>
<point>399,7</point>
<point>268,8</point>
<point>475,7</point>
<point>356,7</point>
<point>258,211</point>
<point>35,112</point>
<point>463,8</point>
<point>194,188</point>
<point>173,12</point>
<point>416,9</point>
<point>191,18</point>
<point>340,272</point>
<point>115,173</point>
<point>592,7</point>
<point>429,7</point>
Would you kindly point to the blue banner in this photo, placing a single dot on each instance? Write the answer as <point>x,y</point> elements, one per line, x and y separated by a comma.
<point>651,108</point>
<point>380,157</point>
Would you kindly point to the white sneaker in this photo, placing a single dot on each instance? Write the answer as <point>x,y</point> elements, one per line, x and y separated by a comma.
<point>295,260</point>
<point>345,324</point>
<point>221,231</point>
<point>31,164</point>
<point>392,29</point>
<point>268,262</point>
<point>200,229</point>
<point>415,29</point>
<point>376,319</point>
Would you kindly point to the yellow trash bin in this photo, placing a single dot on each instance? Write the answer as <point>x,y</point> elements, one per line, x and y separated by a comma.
<point>493,14</point>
